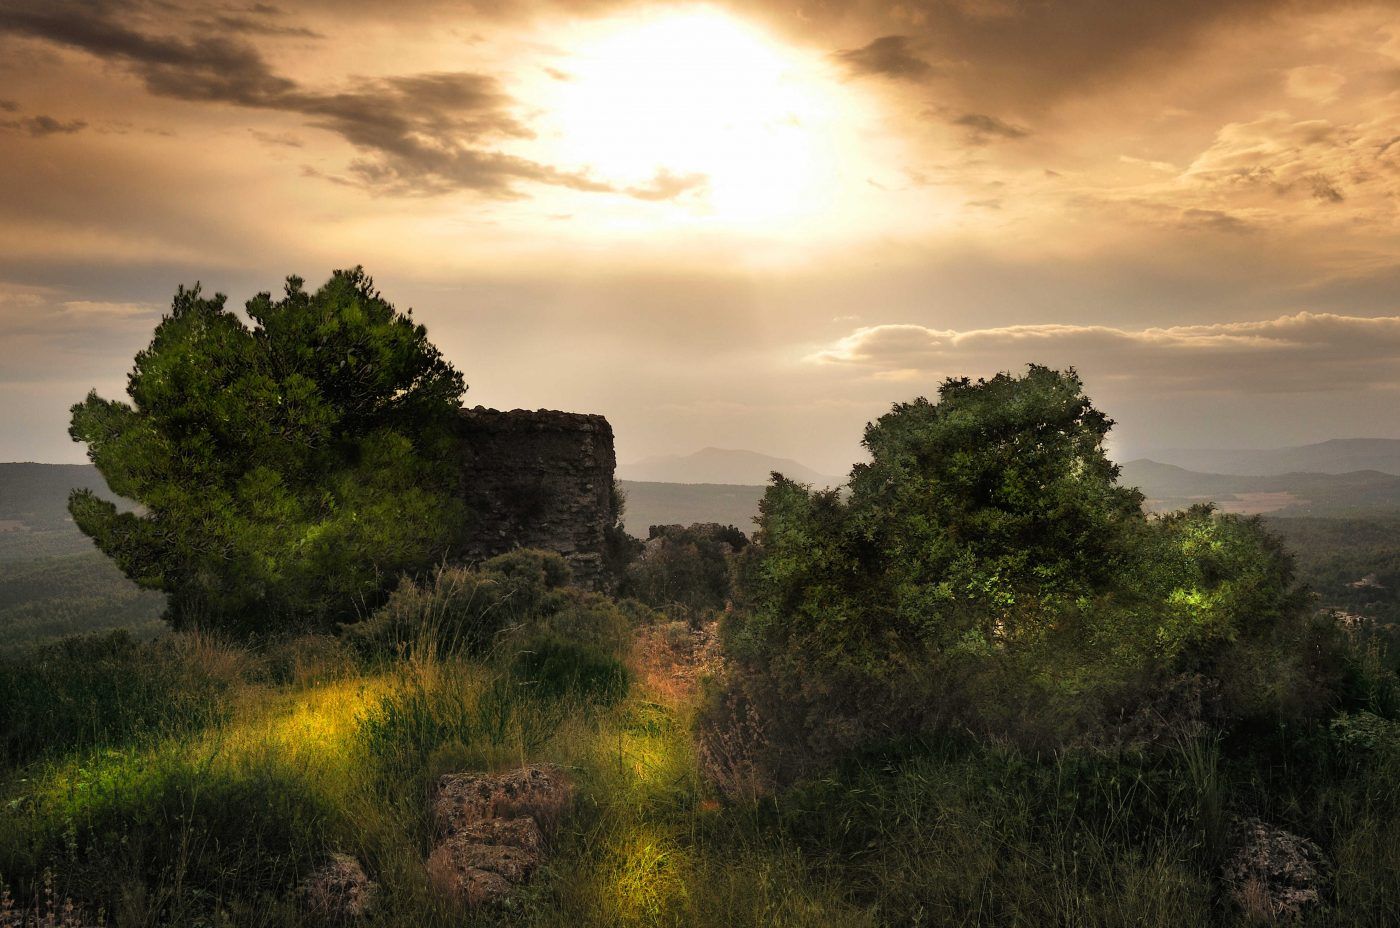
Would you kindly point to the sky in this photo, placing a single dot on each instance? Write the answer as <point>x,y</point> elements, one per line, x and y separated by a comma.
<point>747,225</point>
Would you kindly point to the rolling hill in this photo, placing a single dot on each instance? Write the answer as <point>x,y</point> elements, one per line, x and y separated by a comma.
<point>1363,492</point>
<point>1358,493</point>
<point>53,581</point>
<point>721,466</point>
<point>1338,456</point>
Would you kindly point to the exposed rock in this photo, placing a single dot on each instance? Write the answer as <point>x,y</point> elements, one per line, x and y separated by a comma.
<point>540,791</point>
<point>339,892</point>
<point>1273,875</point>
<point>539,479</point>
<point>478,873</point>
<point>470,887</point>
<point>491,825</point>
<point>520,833</point>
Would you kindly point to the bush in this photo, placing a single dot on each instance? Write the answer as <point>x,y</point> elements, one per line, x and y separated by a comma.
<point>686,566</point>
<point>463,609</point>
<point>306,660</point>
<point>506,603</point>
<point>553,668</point>
<point>985,572</point>
<point>90,692</point>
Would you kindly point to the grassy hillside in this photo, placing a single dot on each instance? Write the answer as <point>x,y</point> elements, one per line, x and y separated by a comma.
<point>45,598</point>
<point>189,782</point>
<point>53,582</point>
<point>1352,564</point>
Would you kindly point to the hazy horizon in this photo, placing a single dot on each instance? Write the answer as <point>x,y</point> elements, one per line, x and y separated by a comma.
<point>748,226</point>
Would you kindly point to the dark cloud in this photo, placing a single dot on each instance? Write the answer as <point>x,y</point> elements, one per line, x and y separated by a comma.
<point>1214,220</point>
<point>982,128</point>
<point>1305,352</point>
<point>249,25</point>
<point>1020,52</point>
<point>277,139</point>
<point>8,106</point>
<point>1324,189</point>
<point>887,56</point>
<point>419,134</point>
<point>39,126</point>
<point>204,68</point>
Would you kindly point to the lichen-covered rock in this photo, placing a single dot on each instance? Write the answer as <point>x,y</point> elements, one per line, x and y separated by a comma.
<point>492,826</point>
<point>339,892</point>
<point>1273,875</point>
<point>540,791</point>
<point>520,833</point>
<point>458,854</point>
<point>470,886</point>
<point>476,873</point>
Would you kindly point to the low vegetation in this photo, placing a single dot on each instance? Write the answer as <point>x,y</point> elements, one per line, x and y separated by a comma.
<point>213,809</point>
<point>977,685</point>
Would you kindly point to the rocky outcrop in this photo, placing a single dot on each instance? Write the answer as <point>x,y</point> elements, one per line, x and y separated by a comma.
<point>493,828</point>
<point>1273,875</point>
<point>339,893</point>
<point>539,479</point>
<point>477,874</point>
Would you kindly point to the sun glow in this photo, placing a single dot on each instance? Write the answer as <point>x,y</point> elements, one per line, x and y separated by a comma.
<point>697,109</point>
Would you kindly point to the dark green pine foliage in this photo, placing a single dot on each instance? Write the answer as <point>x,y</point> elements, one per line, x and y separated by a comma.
<point>287,473</point>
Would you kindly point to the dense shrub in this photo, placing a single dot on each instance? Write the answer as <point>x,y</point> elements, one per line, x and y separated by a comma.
<point>93,691</point>
<point>464,609</point>
<point>305,660</point>
<point>554,668</point>
<point>505,603</point>
<point>686,566</point>
<point>985,571</point>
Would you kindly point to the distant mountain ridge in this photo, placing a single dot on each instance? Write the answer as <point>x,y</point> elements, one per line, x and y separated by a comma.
<point>729,466</point>
<point>1168,486</point>
<point>653,503</point>
<point>1336,456</point>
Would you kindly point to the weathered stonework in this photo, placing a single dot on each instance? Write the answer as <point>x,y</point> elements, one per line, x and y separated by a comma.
<point>539,479</point>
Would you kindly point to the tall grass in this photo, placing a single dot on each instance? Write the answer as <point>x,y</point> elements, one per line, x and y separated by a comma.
<point>213,819</point>
<point>93,691</point>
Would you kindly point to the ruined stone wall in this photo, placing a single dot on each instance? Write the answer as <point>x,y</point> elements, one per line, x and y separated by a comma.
<point>539,479</point>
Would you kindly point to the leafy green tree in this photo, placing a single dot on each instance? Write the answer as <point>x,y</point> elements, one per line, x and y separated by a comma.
<point>981,517</point>
<point>985,570</point>
<point>687,568</point>
<point>287,473</point>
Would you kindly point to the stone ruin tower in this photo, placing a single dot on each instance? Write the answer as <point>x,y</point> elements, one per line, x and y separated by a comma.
<point>539,479</point>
